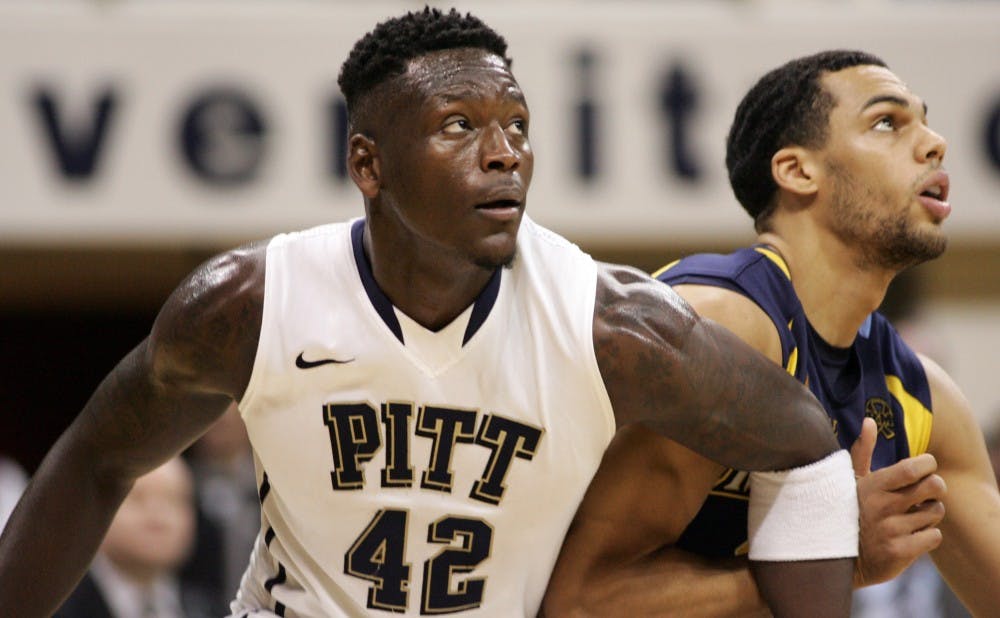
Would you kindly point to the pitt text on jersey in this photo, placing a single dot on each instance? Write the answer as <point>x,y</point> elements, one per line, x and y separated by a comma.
<point>379,552</point>
<point>355,438</point>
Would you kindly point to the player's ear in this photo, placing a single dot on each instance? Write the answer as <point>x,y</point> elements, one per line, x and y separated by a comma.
<point>363,164</point>
<point>794,170</point>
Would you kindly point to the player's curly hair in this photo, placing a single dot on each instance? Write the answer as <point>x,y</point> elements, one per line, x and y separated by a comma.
<point>385,51</point>
<point>786,106</point>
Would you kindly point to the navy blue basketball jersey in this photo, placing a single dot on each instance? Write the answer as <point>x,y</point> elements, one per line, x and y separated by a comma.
<point>878,376</point>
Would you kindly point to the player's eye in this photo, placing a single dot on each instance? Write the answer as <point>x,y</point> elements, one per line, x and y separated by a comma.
<point>456,125</point>
<point>885,123</point>
<point>519,127</point>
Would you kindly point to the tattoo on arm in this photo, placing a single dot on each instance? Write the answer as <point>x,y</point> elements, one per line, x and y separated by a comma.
<point>197,359</point>
<point>697,383</point>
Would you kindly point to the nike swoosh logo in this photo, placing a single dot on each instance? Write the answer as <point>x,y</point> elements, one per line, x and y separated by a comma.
<point>302,363</point>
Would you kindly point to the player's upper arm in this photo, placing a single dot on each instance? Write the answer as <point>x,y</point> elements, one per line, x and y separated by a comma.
<point>696,382</point>
<point>205,337</point>
<point>956,439</point>
<point>969,555</point>
<point>176,382</point>
<point>737,313</point>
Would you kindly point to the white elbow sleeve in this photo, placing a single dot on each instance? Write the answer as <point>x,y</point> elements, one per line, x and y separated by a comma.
<point>807,513</point>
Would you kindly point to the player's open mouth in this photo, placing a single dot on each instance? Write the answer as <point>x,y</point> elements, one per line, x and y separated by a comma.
<point>933,195</point>
<point>504,211</point>
<point>499,204</point>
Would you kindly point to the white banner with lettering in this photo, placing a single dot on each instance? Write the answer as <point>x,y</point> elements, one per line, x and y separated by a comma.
<point>208,122</point>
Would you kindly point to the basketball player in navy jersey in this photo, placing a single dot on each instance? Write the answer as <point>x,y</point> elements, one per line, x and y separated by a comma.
<point>832,156</point>
<point>430,389</point>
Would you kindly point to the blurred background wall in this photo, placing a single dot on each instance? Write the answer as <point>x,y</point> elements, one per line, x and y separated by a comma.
<point>140,137</point>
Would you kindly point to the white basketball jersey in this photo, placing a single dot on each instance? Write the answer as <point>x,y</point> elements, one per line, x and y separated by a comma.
<point>416,472</point>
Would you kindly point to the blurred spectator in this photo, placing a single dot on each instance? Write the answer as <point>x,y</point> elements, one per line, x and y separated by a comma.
<point>134,572</point>
<point>228,506</point>
<point>12,483</point>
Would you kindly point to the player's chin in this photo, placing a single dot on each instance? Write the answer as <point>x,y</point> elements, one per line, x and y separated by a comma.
<point>930,242</point>
<point>497,250</point>
<point>914,248</point>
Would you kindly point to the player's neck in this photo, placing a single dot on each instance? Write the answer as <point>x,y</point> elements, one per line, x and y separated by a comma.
<point>836,293</point>
<point>429,286</point>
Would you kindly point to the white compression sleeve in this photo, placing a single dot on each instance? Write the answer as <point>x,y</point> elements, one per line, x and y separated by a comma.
<point>807,513</point>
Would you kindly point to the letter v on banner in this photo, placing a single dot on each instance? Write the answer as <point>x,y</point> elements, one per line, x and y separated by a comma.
<point>76,147</point>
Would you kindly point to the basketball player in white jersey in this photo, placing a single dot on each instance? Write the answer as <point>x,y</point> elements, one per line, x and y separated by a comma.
<point>430,389</point>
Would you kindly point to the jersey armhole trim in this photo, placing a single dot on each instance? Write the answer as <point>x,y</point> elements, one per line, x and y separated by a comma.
<point>596,378</point>
<point>777,259</point>
<point>264,337</point>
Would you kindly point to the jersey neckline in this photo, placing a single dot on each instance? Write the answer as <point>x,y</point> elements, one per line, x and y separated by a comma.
<point>384,307</point>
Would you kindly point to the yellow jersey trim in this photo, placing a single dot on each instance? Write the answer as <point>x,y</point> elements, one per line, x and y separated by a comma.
<point>774,257</point>
<point>916,418</point>
<point>664,269</point>
<point>793,356</point>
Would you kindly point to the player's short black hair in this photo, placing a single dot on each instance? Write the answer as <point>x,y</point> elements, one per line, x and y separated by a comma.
<point>787,106</point>
<point>385,51</point>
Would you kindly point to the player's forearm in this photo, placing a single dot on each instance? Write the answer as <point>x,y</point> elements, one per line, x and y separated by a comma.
<point>969,555</point>
<point>53,534</point>
<point>977,590</point>
<point>791,587</point>
<point>672,582</point>
<point>779,424</point>
<point>695,586</point>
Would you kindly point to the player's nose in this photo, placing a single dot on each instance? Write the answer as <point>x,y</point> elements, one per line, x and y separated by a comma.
<point>932,145</point>
<point>496,150</point>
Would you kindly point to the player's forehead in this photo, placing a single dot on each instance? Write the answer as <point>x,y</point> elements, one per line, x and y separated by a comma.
<point>463,73</point>
<point>857,88</point>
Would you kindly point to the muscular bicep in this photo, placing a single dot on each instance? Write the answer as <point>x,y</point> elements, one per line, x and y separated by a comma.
<point>697,383</point>
<point>737,313</point>
<point>205,337</point>
<point>969,555</point>
<point>177,381</point>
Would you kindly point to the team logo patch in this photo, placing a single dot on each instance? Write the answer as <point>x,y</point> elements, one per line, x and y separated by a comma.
<point>880,410</point>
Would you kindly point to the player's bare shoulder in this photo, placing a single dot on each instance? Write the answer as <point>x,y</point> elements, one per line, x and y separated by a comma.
<point>630,302</point>
<point>207,331</point>
<point>641,329</point>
